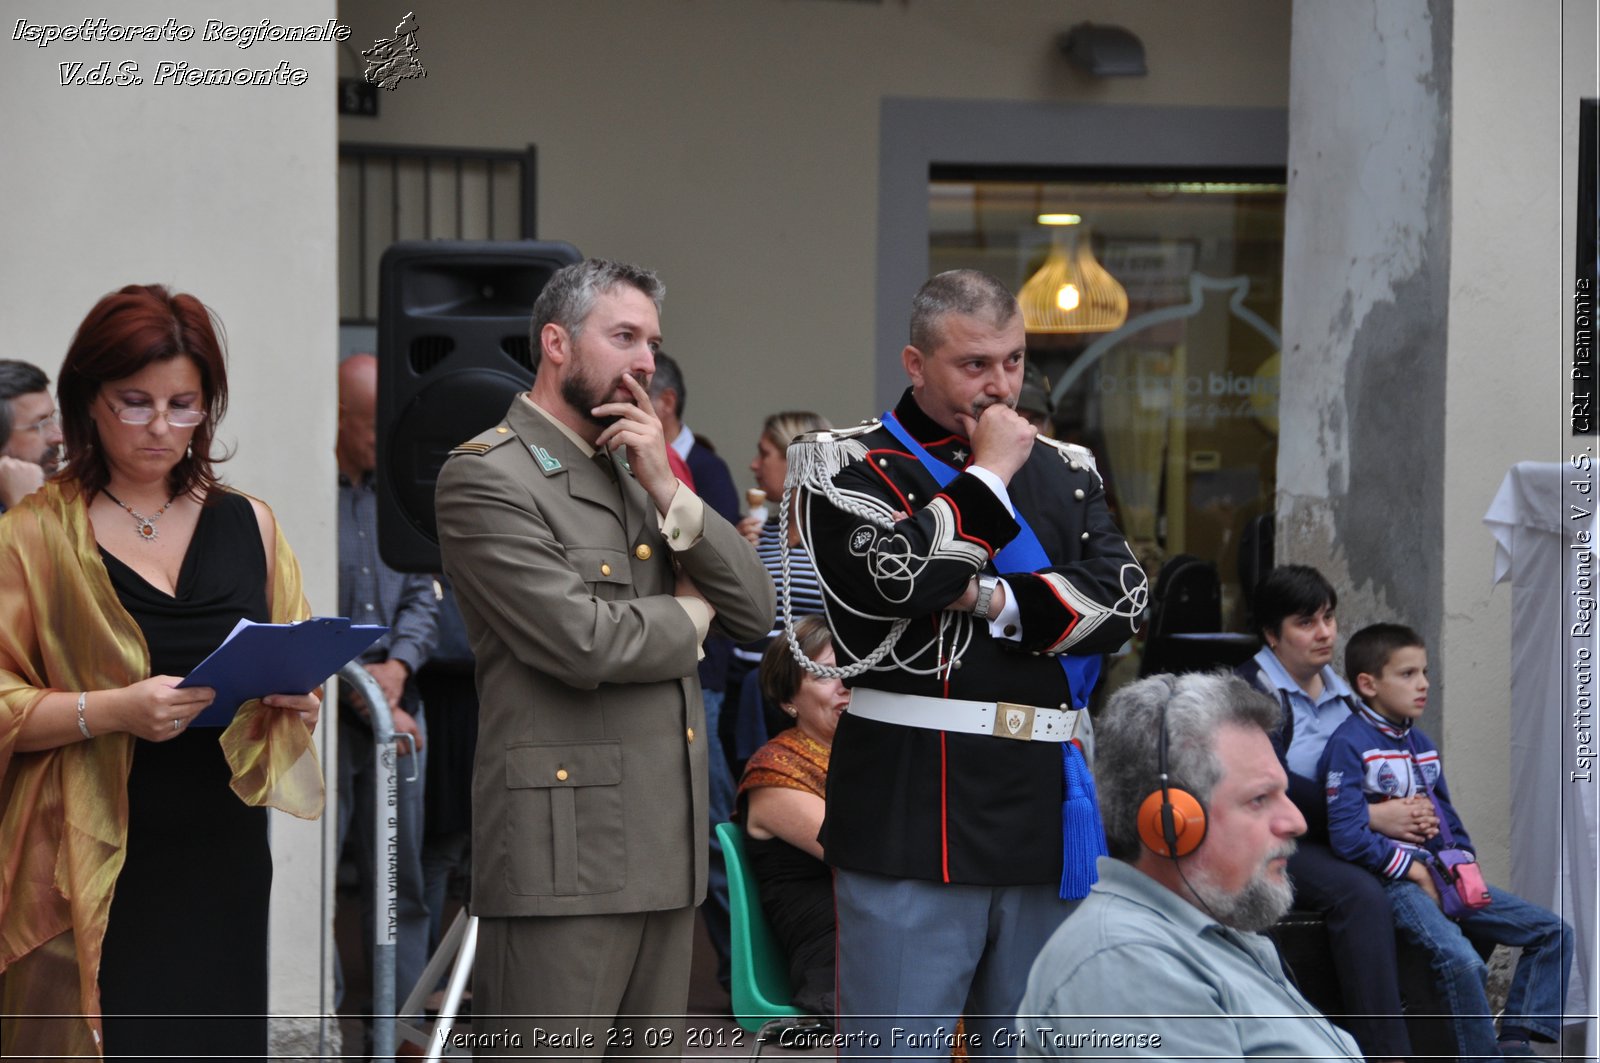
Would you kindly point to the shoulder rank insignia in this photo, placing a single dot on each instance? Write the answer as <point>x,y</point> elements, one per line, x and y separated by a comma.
<point>484,442</point>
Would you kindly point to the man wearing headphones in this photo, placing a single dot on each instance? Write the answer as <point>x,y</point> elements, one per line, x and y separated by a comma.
<point>1165,958</point>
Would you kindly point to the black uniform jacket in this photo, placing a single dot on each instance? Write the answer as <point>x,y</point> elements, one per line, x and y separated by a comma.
<point>926,804</point>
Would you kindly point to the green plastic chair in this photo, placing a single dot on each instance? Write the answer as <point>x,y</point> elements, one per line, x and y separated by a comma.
<point>760,989</point>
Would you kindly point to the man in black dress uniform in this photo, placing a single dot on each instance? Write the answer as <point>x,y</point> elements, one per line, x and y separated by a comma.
<point>960,821</point>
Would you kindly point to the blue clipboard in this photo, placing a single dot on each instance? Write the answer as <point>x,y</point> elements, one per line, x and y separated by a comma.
<point>260,659</point>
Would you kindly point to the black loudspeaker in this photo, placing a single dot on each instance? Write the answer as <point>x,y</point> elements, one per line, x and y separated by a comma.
<point>453,351</point>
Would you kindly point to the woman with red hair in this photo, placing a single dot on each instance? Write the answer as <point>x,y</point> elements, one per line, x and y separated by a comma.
<point>134,838</point>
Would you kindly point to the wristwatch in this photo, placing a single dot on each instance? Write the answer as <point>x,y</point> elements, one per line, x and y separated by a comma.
<point>986,586</point>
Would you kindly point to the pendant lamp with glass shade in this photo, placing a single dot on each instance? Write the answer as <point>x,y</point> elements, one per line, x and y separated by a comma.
<point>1071,291</point>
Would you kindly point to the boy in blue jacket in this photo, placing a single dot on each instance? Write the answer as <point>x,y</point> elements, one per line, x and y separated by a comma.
<point>1377,755</point>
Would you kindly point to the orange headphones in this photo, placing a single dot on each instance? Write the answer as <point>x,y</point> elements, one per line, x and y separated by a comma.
<point>1172,821</point>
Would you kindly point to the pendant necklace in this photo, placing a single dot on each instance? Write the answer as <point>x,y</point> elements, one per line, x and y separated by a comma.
<point>147,525</point>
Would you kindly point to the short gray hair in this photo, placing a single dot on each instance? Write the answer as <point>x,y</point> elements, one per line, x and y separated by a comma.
<point>968,292</point>
<point>570,293</point>
<point>1197,706</point>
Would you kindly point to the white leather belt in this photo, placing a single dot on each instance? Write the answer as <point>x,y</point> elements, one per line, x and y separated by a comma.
<point>1002,719</point>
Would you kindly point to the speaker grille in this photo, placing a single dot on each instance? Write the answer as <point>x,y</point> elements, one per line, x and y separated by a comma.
<point>428,351</point>
<point>520,350</point>
<point>449,369</point>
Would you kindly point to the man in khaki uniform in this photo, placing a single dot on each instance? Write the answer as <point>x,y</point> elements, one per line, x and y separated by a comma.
<point>588,577</point>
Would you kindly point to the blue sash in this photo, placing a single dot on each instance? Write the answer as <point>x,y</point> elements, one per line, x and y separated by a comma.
<point>1082,836</point>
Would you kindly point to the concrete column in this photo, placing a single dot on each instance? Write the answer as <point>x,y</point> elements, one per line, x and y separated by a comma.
<point>1422,332</point>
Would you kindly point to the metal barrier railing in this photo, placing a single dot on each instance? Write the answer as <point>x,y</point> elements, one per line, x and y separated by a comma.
<point>386,838</point>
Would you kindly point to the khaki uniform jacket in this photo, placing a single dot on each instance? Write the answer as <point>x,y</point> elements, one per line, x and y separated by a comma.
<point>589,787</point>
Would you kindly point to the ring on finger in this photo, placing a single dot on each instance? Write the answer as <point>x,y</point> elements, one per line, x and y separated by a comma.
<point>177,723</point>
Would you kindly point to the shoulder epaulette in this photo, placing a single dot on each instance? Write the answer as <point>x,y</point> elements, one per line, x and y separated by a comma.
<point>1075,456</point>
<point>484,442</point>
<point>833,435</point>
<point>816,457</point>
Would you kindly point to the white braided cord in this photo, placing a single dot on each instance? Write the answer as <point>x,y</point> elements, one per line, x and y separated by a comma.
<point>826,671</point>
<point>814,464</point>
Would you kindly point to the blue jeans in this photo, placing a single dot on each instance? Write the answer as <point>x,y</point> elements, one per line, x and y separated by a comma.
<point>715,909</point>
<point>1538,986</point>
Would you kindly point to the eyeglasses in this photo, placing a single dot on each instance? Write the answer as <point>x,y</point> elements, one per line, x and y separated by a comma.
<point>142,415</point>
<point>43,426</point>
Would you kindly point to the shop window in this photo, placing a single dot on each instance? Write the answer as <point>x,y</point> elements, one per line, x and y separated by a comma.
<point>1177,392</point>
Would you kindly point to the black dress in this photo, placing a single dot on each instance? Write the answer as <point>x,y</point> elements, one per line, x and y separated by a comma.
<point>184,967</point>
<point>797,898</point>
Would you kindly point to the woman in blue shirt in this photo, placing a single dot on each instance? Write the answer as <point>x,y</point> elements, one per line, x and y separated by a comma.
<point>1294,610</point>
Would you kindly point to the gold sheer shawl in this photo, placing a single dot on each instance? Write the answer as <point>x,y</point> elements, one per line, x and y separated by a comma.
<point>64,812</point>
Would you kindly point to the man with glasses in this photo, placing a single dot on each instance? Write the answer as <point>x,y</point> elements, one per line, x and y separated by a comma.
<point>30,431</point>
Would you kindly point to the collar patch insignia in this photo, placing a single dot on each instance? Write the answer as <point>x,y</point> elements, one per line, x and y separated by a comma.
<point>546,460</point>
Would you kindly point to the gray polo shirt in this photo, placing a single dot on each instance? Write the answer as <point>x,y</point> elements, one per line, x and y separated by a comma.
<point>1138,972</point>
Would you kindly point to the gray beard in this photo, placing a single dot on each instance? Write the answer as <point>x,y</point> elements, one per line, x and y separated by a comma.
<point>1258,906</point>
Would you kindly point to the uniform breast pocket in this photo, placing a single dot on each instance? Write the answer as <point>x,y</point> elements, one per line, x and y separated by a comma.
<point>567,833</point>
<point>605,570</point>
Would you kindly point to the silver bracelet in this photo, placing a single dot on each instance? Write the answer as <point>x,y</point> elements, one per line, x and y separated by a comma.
<point>83,725</point>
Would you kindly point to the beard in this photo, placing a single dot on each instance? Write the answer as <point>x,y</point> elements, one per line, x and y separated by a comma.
<point>584,392</point>
<point>1264,900</point>
<point>50,460</point>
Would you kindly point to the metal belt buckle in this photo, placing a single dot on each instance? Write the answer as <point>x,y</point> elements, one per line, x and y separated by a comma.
<point>1013,721</point>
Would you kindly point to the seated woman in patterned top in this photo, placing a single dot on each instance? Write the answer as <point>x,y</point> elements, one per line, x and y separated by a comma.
<point>780,803</point>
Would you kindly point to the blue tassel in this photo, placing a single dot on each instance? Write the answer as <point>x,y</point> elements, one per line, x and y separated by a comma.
<point>1082,673</point>
<point>1083,838</point>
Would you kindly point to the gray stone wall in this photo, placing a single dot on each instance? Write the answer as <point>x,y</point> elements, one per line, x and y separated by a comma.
<point>1366,299</point>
